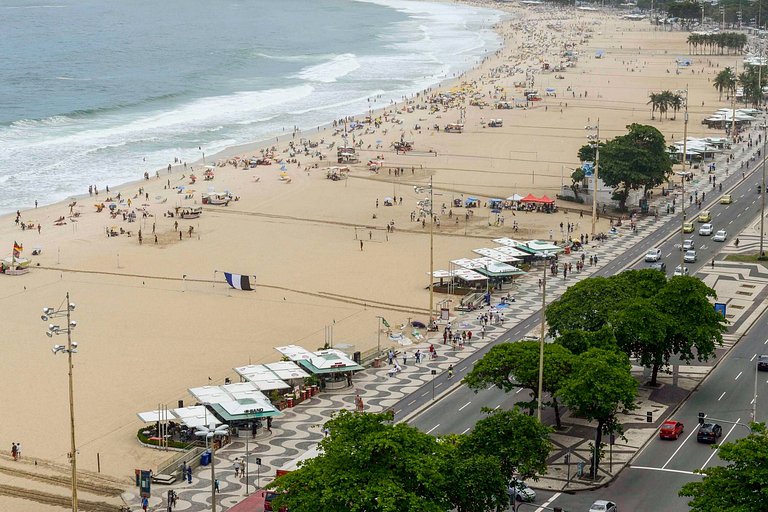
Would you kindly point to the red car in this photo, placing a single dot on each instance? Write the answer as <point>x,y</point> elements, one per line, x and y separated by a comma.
<point>670,429</point>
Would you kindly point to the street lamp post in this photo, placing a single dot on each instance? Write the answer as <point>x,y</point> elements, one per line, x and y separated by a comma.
<point>754,396</point>
<point>70,348</point>
<point>211,433</point>
<point>762,194</point>
<point>594,139</point>
<point>541,340</point>
<point>683,177</point>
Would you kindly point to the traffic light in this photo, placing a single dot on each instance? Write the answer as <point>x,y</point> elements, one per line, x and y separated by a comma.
<point>649,417</point>
<point>701,418</point>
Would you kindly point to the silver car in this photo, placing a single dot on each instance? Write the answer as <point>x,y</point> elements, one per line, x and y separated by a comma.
<point>690,256</point>
<point>706,229</point>
<point>720,236</point>
<point>520,491</point>
<point>681,271</point>
<point>603,506</point>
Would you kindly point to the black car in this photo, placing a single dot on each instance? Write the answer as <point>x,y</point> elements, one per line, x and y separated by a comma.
<point>709,433</point>
<point>660,266</point>
<point>762,363</point>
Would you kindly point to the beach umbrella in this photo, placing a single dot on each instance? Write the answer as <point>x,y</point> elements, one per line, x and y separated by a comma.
<point>418,325</point>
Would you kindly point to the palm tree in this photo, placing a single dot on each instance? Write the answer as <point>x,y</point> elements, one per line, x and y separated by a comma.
<point>724,81</point>
<point>676,102</point>
<point>654,103</point>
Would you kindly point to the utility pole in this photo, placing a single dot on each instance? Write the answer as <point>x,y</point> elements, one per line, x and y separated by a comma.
<point>431,251</point>
<point>541,340</point>
<point>595,139</point>
<point>684,177</point>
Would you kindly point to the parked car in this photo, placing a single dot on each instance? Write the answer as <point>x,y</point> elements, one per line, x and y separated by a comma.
<point>268,498</point>
<point>603,506</point>
<point>660,266</point>
<point>709,433</point>
<point>687,227</point>
<point>670,429</point>
<point>520,491</point>
<point>689,245</point>
<point>726,199</point>
<point>762,363</point>
<point>690,256</point>
<point>720,236</point>
<point>705,229</point>
<point>653,255</point>
<point>681,271</point>
<point>704,216</point>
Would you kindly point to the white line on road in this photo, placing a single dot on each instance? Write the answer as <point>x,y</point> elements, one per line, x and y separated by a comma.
<point>739,375</point>
<point>438,384</point>
<point>465,430</point>
<point>497,407</point>
<point>433,428</point>
<point>721,397</point>
<point>545,505</point>
<point>753,358</point>
<point>519,390</point>
<point>425,393</point>
<point>463,406</point>
<point>678,449</point>
<point>724,438</point>
<point>490,387</point>
<point>412,401</point>
<point>662,469</point>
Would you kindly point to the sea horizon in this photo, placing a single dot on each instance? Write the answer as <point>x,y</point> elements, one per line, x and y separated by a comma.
<point>99,106</point>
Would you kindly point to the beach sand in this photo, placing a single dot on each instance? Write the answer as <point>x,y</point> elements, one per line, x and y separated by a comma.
<point>146,334</point>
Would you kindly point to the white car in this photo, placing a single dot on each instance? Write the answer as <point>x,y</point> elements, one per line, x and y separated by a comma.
<point>720,236</point>
<point>690,256</point>
<point>603,506</point>
<point>689,244</point>
<point>706,229</point>
<point>519,490</point>
<point>653,255</point>
<point>681,271</point>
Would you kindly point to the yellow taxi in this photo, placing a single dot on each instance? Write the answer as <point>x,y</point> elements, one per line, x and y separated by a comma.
<point>726,199</point>
<point>704,216</point>
<point>688,227</point>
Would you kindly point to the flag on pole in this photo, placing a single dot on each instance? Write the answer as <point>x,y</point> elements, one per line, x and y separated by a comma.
<point>386,324</point>
<point>238,282</point>
<point>17,248</point>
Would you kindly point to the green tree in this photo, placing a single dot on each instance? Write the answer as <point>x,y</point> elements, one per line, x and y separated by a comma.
<point>516,365</point>
<point>599,387</point>
<point>741,485</point>
<point>579,342</point>
<point>577,178</point>
<point>519,441</point>
<point>585,306</point>
<point>483,487</point>
<point>368,465</point>
<point>753,80</point>
<point>693,324</point>
<point>637,160</point>
<point>725,81</point>
<point>640,332</point>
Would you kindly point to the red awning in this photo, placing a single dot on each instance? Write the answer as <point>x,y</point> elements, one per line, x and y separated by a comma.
<point>530,198</point>
<point>545,199</point>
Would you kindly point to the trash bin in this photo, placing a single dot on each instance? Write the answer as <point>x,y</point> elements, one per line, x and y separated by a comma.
<point>567,250</point>
<point>205,458</point>
<point>290,402</point>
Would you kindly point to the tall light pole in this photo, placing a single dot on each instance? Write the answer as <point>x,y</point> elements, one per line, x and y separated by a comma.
<point>762,194</point>
<point>211,433</point>
<point>431,251</point>
<point>541,339</point>
<point>754,399</point>
<point>70,348</point>
<point>683,176</point>
<point>594,140</point>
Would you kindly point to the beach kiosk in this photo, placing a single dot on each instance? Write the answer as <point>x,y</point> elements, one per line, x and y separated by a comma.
<point>332,367</point>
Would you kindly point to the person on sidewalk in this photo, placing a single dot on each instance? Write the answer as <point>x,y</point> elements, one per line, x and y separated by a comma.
<point>450,371</point>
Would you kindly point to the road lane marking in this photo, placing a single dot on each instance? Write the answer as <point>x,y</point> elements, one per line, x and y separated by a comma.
<point>519,390</point>
<point>753,358</point>
<point>721,397</point>
<point>433,428</point>
<point>413,401</point>
<point>497,407</point>
<point>463,406</point>
<point>724,438</point>
<point>765,342</point>
<point>425,393</point>
<point>545,505</point>
<point>678,449</point>
<point>466,430</point>
<point>438,384</point>
<point>490,387</point>
<point>739,375</point>
<point>663,469</point>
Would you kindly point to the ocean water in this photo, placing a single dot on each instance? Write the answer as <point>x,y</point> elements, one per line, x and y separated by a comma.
<point>95,92</point>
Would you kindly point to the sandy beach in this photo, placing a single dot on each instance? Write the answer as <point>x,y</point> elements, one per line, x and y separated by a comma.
<point>146,333</point>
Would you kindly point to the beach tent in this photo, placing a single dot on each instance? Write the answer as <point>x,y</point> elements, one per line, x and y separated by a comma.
<point>514,197</point>
<point>530,198</point>
<point>546,200</point>
<point>599,54</point>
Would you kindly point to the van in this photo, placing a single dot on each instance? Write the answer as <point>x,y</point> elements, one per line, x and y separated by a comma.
<point>704,216</point>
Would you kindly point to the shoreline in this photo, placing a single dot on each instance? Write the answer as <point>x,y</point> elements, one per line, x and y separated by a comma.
<point>147,333</point>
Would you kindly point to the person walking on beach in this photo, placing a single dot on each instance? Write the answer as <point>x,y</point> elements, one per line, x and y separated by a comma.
<point>18,451</point>
<point>361,245</point>
<point>14,452</point>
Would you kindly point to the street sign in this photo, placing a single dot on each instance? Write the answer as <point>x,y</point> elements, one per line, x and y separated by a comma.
<point>721,308</point>
<point>258,461</point>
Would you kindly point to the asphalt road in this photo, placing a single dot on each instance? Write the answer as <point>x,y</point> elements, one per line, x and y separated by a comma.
<point>657,473</point>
